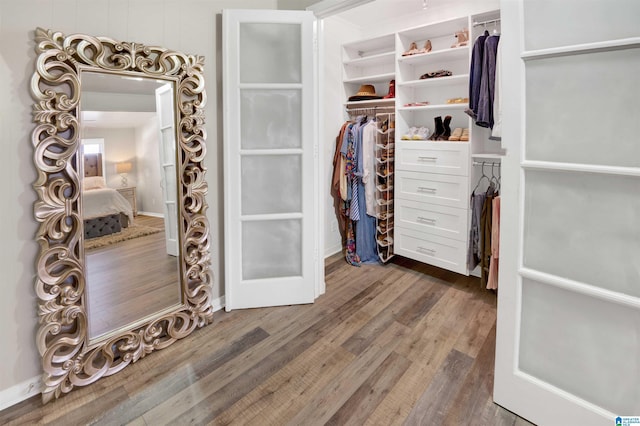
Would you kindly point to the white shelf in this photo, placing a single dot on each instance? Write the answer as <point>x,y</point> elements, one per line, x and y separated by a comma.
<point>369,47</point>
<point>434,107</point>
<point>437,81</point>
<point>435,30</point>
<point>372,103</point>
<point>454,53</point>
<point>381,58</point>
<point>479,156</point>
<point>370,79</point>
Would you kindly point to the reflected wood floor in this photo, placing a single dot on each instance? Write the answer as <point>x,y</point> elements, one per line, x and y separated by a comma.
<point>131,279</point>
<point>403,343</point>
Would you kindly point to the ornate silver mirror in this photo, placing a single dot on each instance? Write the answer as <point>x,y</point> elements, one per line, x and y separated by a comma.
<point>119,129</point>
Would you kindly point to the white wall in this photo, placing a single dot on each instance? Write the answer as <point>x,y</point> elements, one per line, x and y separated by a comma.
<point>191,26</point>
<point>119,145</point>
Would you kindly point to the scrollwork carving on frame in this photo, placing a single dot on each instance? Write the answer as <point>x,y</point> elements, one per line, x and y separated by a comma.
<point>62,339</point>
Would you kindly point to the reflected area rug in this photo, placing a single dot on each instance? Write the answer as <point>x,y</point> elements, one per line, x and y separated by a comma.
<point>134,231</point>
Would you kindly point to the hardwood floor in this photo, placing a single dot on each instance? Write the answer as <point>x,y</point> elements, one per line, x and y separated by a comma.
<point>130,280</point>
<point>403,343</point>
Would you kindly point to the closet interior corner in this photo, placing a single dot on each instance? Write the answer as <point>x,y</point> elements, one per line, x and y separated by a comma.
<point>419,140</point>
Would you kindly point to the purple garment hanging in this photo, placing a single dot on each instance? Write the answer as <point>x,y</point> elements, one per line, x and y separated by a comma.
<point>487,86</point>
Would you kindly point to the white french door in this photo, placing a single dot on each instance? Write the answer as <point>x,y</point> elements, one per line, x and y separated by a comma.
<point>568,334</point>
<point>270,168</point>
<point>167,155</point>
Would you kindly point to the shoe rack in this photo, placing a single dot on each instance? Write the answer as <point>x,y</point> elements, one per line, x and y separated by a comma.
<point>385,152</point>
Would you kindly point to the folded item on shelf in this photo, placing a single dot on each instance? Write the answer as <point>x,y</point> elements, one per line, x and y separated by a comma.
<point>458,101</point>
<point>435,74</point>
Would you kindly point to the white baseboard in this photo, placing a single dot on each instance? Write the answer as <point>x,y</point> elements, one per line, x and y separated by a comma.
<point>218,304</point>
<point>330,251</point>
<point>19,392</point>
<point>151,214</point>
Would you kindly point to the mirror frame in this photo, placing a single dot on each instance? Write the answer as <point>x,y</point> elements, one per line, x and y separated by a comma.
<point>68,358</point>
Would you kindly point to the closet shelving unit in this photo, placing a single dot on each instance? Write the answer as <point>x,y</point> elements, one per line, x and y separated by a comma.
<point>430,181</point>
<point>432,177</point>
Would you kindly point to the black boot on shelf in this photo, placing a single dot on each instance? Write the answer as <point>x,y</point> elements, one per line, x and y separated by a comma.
<point>446,129</point>
<point>438,130</point>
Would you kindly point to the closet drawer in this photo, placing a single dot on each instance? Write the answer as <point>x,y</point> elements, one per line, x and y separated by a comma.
<point>449,222</point>
<point>438,251</point>
<point>445,190</point>
<point>451,158</point>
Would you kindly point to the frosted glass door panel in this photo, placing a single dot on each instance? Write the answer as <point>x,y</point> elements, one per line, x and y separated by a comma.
<point>271,249</point>
<point>570,128</point>
<point>271,184</point>
<point>271,119</point>
<point>584,227</point>
<point>569,22</point>
<point>277,50</point>
<point>582,345</point>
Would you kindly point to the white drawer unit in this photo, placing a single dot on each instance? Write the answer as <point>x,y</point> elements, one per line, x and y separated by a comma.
<point>446,190</point>
<point>449,222</point>
<point>445,253</point>
<point>451,158</point>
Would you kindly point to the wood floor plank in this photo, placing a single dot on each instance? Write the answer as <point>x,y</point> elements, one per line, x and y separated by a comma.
<point>330,398</point>
<point>433,405</point>
<point>366,399</point>
<point>286,392</point>
<point>476,331</point>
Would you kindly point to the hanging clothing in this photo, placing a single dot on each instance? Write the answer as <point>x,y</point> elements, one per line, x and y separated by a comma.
<point>475,234</point>
<point>475,75</point>
<point>492,279</point>
<point>336,179</point>
<point>368,168</point>
<point>485,227</point>
<point>484,116</point>
<point>347,150</point>
<point>366,246</point>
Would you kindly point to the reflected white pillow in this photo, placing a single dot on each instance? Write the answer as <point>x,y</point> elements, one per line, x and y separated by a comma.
<point>93,182</point>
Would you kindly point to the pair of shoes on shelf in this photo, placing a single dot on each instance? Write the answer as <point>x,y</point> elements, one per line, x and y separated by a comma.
<point>416,134</point>
<point>458,101</point>
<point>442,131</point>
<point>463,38</point>
<point>436,74</point>
<point>459,134</point>
<point>413,48</point>
<point>412,104</point>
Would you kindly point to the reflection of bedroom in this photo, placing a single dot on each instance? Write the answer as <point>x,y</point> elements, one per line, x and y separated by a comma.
<point>122,123</point>
<point>124,224</point>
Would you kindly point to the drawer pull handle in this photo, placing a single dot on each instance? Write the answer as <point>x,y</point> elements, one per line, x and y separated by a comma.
<point>427,158</point>
<point>426,219</point>
<point>428,251</point>
<point>425,189</point>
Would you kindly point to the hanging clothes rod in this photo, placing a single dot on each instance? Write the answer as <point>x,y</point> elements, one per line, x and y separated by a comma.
<point>486,163</point>
<point>491,21</point>
<point>371,110</point>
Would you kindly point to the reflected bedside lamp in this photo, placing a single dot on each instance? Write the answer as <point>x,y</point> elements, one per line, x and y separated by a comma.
<point>122,169</point>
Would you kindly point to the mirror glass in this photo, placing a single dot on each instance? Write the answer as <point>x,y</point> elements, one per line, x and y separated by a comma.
<point>129,195</point>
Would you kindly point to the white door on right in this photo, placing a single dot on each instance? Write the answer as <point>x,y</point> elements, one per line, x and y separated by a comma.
<point>568,334</point>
